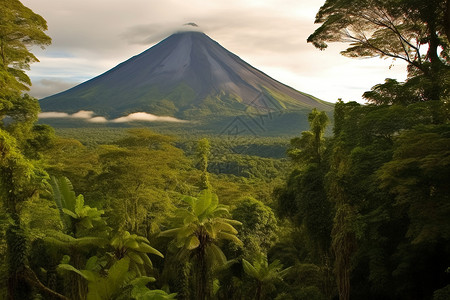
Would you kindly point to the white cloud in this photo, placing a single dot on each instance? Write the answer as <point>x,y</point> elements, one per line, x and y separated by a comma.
<point>83,114</point>
<point>89,117</point>
<point>98,120</point>
<point>146,117</point>
<point>53,114</point>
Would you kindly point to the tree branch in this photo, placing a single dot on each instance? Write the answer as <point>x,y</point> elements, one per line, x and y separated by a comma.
<point>32,279</point>
<point>365,42</point>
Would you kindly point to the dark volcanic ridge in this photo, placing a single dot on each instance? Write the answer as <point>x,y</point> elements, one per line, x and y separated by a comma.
<point>187,76</point>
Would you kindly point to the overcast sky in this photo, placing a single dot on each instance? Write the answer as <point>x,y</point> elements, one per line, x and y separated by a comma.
<point>93,36</point>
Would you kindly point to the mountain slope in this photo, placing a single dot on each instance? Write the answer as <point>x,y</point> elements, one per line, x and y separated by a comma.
<point>188,76</point>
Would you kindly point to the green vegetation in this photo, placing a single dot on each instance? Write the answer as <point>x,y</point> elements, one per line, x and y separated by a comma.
<point>130,213</point>
<point>413,31</point>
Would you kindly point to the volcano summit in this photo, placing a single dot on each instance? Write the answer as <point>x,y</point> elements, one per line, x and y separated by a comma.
<point>188,76</point>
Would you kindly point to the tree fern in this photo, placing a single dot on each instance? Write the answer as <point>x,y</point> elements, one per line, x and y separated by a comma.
<point>198,230</point>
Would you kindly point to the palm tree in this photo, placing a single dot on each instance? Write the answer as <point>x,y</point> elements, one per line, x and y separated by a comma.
<point>197,231</point>
<point>263,272</point>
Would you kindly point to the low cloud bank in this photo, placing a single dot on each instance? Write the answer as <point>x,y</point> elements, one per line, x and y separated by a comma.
<point>88,116</point>
<point>146,117</point>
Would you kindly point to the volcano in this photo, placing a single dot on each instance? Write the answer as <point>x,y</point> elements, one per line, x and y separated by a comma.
<point>188,76</point>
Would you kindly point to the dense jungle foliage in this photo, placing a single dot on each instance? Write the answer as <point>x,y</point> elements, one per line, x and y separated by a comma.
<point>361,214</point>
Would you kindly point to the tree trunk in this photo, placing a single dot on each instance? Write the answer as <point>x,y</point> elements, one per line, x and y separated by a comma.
<point>16,242</point>
<point>202,270</point>
<point>344,244</point>
<point>258,291</point>
<point>202,278</point>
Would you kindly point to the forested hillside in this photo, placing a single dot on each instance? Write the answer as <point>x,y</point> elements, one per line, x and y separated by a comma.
<point>361,213</point>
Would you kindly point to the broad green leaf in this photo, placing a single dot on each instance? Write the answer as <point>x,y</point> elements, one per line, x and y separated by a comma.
<point>91,264</point>
<point>190,200</point>
<point>143,280</point>
<point>79,204</point>
<point>203,202</point>
<point>118,271</point>
<point>70,213</point>
<point>86,274</point>
<point>115,242</point>
<point>186,231</point>
<point>214,203</point>
<point>142,239</point>
<point>230,237</point>
<point>192,243</point>
<point>169,232</point>
<point>226,227</point>
<point>230,221</point>
<point>218,254</point>
<point>249,269</point>
<point>63,192</point>
<point>101,289</point>
<point>220,211</point>
<point>86,223</point>
<point>149,249</point>
<point>140,292</point>
<point>211,229</point>
<point>135,257</point>
<point>146,260</point>
<point>284,272</point>
<point>189,219</point>
<point>131,243</point>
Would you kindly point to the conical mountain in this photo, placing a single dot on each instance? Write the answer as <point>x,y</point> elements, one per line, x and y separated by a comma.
<point>187,75</point>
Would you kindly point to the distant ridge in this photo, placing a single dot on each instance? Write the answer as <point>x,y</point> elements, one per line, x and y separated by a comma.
<point>188,76</point>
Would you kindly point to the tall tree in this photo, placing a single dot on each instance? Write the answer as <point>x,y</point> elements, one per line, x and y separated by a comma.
<point>198,230</point>
<point>310,146</point>
<point>414,31</point>
<point>21,177</point>
<point>264,273</point>
<point>20,28</point>
<point>387,174</point>
<point>203,150</point>
<point>304,198</point>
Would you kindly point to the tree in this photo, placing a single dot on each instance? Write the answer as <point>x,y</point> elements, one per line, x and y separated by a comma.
<point>203,150</point>
<point>138,200</point>
<point>417,175</point>
<point>264,273</point>
<point>387,181</point>
<point>259,225</point>
<point>397,29</point>
<point>19,29</point>
<point>197,231</point>
<point>310,146</point>
<point>304,199</point>
<point>21,176</point>
<point>20,180</point>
